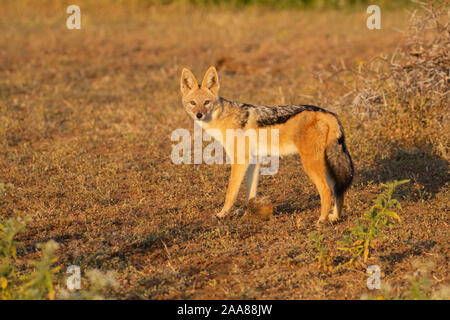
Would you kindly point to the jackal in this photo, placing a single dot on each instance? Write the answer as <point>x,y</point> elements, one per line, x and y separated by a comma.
<point>315,133</point>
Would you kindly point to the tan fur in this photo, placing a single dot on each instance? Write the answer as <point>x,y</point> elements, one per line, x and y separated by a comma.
<point>307,133</point>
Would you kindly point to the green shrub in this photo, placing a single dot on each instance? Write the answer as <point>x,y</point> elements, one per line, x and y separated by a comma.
<point>360,239</point>
<point>323,255</point>
<point>38,284</point>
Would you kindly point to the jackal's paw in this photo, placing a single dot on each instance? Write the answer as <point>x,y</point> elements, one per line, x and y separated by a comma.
<point>320,222</point>
<point>221,215</point>
<point>333,218</point>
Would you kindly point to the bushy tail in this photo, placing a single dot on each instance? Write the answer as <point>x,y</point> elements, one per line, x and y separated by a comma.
<point>340,164</point>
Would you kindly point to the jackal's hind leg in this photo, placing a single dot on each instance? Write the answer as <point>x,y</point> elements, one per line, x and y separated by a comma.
<point>313,159</point>
<point>337,210</point>
<point>322,186</point>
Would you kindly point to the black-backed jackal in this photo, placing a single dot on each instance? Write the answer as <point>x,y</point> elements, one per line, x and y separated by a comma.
<point>315,133</point>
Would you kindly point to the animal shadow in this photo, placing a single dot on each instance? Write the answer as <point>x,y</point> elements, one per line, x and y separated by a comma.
<point>420,165</point>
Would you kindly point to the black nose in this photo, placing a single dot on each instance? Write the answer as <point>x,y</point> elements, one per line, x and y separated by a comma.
<point>199,115</point>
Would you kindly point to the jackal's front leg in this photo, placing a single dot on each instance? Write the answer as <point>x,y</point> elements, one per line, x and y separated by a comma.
<point>237,174</point>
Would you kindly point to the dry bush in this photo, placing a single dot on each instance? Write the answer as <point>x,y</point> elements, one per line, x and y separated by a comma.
<point>413,88</point>
<point>403,96</point>
<point>418,72</point>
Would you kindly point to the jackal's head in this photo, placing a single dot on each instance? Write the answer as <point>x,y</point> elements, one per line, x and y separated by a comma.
<point>198,100</point>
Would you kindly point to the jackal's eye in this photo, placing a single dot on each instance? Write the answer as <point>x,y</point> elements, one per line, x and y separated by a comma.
<point>192,102</point>
<point>206,102</point>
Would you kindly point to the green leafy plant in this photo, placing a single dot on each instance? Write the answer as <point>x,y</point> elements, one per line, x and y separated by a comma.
<point>323,255</point>
<point>38,284</point>
<point>8,251</point>
<point>361,238</point>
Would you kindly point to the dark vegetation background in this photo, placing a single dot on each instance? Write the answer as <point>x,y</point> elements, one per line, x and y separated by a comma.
<point>289,4</point>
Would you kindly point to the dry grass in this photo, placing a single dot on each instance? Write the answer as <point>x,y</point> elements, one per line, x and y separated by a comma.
<point>85,124</point>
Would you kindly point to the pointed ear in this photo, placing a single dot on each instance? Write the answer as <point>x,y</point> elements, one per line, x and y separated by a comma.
<point>188,81</point>
<point>211,81</point>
